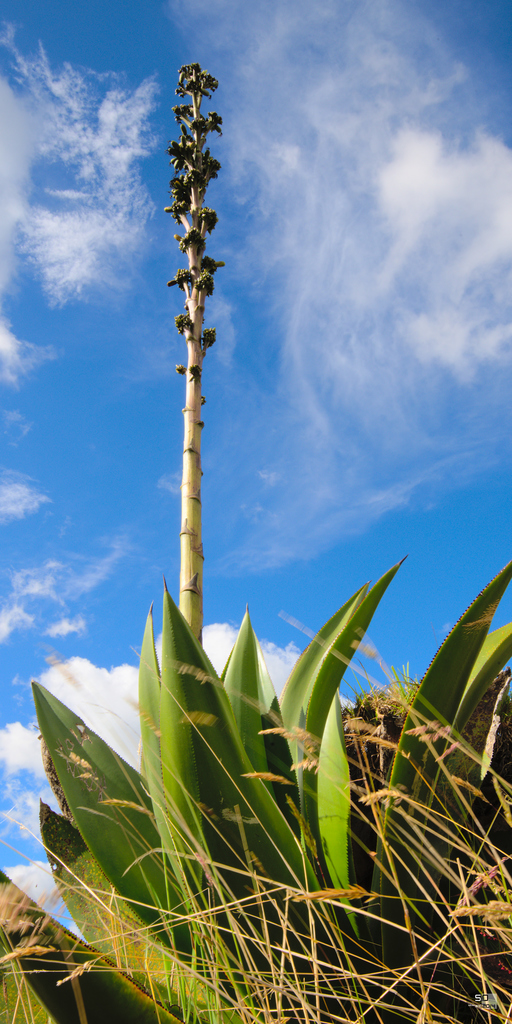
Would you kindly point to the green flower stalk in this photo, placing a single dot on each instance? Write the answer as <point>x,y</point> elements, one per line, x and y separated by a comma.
<point>195,168</point>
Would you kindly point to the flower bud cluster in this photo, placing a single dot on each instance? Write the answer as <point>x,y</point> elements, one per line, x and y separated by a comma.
<point>183,323</point>
<point>192,238</point>
<point>194,168</point>
<point>209,337</point>
<point>182,278</point>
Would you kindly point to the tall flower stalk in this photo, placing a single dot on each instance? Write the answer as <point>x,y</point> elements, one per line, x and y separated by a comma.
<point>194,169</point>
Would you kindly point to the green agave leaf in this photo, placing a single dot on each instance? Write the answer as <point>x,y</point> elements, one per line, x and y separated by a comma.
<point>18,1003</point>
<point>334,797</point>
<point>222,815</point>
<point>121,835</point>
<point>103,918</point>
<point>322,695</point>
<point>334,809</point>
<point>202,752</point>
<point>97,993</point>
<point>181,655</point>
<point>416,770</point>
<point>496,651</point>
<point>297,691</point>
<point>251,693</point>
<point>78,877</point>
<point>149,709</point>
<point>280,762</point>
<point>479,733</point>
<point>226,666</point>
<point>256,710</point>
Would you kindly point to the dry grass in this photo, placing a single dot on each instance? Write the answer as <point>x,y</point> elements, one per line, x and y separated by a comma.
<point>306,977</point>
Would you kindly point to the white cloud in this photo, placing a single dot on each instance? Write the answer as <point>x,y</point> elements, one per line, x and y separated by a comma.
<point>18,358</point>
<point>104,698</point>
<point>449,212</point>
<point>219,639</point>
<point>17,132</point>
<point>22,817</point>
<point>17,498</point>
<point>13,617</point>
<point>82,234</point>
<point>170,482</point>
<point>66,626</point>
<point>72,129</point>
<point>268,476</point>
<point>35,878</point>
<point>279,661</point>
<point>20,749</point>
<point>56,582</point>
<point>16,426</point>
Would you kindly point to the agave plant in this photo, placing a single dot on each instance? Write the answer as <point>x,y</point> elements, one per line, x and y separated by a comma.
<point>228,863</point>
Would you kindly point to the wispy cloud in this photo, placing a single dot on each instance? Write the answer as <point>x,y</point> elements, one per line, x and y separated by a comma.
<point>95,571</point>
<point>15,426</point>
<point>84,232</point>
<point>66,626</point>
<point>268,476</point>
<point>448,208</point>
<point>86,134</point>
<point>58,583</point>
<point>20,750</point>
<point>375,195</point>
<point>16,131</point>
<point>170,482</point>
<point>40,582</point>
<point>17,498</point>
<point>220,315</point>
<point>17,358</point>
<point>13,616</point>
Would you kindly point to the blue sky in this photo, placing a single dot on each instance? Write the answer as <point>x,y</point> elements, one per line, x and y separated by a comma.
<point>358,396</point>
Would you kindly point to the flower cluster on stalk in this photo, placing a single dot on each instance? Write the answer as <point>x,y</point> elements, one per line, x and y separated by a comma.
<point>194,168</point>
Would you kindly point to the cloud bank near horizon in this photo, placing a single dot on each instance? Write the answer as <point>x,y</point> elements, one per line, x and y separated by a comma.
<point>106,699</point>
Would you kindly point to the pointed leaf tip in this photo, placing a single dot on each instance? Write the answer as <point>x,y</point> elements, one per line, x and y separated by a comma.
<point>165,584</point>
